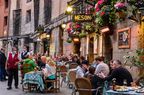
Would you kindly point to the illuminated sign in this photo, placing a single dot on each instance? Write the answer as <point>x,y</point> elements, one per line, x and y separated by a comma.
<point>82,18</point>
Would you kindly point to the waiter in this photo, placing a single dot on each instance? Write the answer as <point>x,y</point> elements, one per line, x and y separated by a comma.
<point>12,67</point>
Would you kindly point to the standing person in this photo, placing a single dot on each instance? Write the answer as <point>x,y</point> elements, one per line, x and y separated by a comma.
<point>24,53</point>
<point>2,65</point>
<point>101,67</point>
<point>12,67</point>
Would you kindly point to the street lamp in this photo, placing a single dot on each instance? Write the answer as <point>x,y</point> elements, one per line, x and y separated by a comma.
<point>63,26</point>
<point>76,39</point>
<point>48,36</point>
<point>69,9</point>
<point>38,39</point>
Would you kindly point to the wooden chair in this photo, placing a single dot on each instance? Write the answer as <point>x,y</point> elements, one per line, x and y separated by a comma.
<point>71,78</point>
<point>63,73</point>
<point>84,87</point>
<point>73,65</point>
<point>55,82</point>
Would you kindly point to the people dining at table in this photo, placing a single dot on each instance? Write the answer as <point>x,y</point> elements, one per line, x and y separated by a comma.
<point>120,73</point>
<point>96,74</point>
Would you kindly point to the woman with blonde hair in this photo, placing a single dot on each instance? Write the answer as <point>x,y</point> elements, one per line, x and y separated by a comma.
<point>50,68</point>
<point>49,71</point>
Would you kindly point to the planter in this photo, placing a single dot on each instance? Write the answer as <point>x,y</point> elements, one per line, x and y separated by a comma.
<point>81,35</point>
<point>121,14</point>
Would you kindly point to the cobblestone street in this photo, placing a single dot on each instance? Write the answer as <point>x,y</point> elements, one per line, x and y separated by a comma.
<point>3,91</point>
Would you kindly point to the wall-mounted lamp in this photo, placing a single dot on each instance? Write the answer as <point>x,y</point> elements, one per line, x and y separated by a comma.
<point>48,36</point>
<point>104,29</point>
<point>38,39</point>
<point>76,39</point>
<point>63,26</point>
<point>69,9</point>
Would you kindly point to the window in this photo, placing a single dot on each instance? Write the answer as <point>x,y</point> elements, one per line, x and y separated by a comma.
<point>29,1</point>
<point>6,3</point>
<point>28,16</point>
<point>18,4</point>
<point>5,20</point>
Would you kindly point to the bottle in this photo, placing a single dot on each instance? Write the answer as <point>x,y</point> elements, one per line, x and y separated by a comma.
<point>125,83</point>
<point>114,84</point>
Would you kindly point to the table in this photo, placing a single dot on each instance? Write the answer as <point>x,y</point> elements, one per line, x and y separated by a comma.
<point>34,78</point>
<point>111,92</point>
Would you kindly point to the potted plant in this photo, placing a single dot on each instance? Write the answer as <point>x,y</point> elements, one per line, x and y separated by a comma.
<point>136,59</point>
<point>40,29</point>
<point>89,27</point>
<point>82,34</point>
<point>120,9</point>
<point>69,40</point>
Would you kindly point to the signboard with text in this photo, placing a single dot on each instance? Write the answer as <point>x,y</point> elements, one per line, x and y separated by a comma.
<point>82,18</point>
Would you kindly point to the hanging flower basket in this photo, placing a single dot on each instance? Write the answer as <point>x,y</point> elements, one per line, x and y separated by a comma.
<point>69,40</point>
<point>81,35</point>
<point>121,14</point>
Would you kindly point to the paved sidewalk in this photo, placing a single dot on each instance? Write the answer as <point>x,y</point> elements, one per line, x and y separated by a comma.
<point>3,91</point>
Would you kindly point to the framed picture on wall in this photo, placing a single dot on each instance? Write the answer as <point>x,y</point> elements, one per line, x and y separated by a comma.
<point>124,38</point>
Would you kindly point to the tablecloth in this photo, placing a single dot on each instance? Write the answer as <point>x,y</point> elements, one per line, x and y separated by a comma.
<point>34,78</point>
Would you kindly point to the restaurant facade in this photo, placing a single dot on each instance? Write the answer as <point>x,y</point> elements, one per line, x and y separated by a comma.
<point>82,36</point>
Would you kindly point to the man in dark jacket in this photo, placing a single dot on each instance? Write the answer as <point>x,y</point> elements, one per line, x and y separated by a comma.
<point>2,65</point>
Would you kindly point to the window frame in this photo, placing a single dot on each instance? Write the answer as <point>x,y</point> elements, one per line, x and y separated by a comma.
<point>28,16</point>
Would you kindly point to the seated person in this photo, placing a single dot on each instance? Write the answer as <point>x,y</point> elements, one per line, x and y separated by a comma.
<point>95,80</point>
<point>29,64</point>
<point>90,73</point>
<point>42,62</point>
<point>82,69</point>
<point>119,73</point>
<point>49,71</point>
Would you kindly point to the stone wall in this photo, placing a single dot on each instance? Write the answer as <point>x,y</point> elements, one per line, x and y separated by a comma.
<point>120,53</point>
<point>27,28</point>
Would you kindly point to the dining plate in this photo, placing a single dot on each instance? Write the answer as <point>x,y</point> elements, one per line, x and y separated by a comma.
<point>122,90</point>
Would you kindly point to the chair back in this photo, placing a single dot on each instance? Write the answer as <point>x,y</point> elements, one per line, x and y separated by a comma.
<point>73,65</point>
<point>83,83</point>
<point>72,76</point>
<point>63,68</point>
